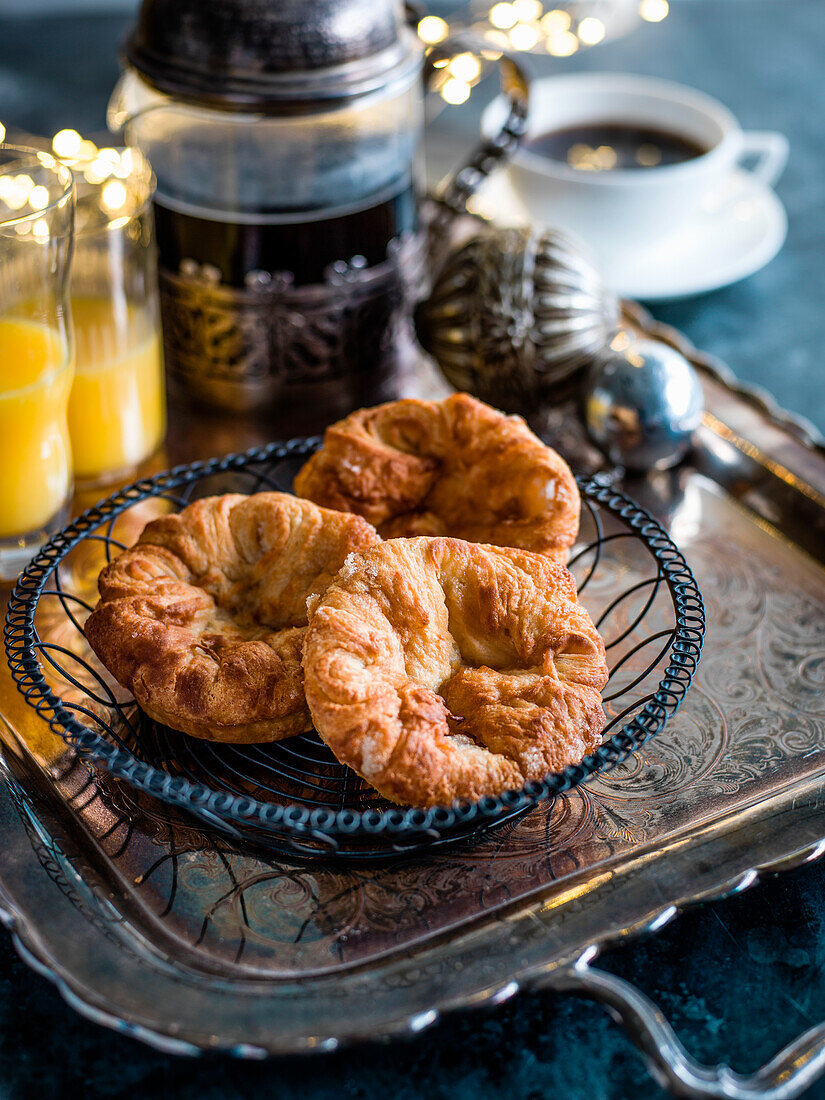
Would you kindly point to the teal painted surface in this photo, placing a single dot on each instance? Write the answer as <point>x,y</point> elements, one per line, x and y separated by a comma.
<point>738,978</point>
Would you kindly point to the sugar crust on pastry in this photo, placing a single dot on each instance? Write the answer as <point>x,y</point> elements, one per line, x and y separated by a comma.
<point>204,618</point>
<point>440,669</point>
<point>454,467</point>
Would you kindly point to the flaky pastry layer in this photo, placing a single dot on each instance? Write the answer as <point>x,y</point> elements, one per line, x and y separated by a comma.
<point>455,467</point>
<point>440,669</point>
<point>203,619</point>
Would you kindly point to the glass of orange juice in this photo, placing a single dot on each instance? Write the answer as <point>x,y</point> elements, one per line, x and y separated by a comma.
<point>117,406</point>
<point>36,226</point>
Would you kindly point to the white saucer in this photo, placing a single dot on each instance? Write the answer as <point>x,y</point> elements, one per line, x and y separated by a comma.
<point>736,235</point>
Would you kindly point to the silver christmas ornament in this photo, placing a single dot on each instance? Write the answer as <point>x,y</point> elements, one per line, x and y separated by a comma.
<point>515,316</point>
<point>642,403</point>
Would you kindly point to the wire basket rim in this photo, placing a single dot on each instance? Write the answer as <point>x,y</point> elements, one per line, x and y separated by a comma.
<point>225,810</point>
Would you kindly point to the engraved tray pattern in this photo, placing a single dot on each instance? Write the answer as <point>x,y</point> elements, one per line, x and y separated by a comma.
<point>194,944</point>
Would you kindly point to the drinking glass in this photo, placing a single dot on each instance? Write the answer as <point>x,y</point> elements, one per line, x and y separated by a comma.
<point>117,408</point>
<point>36,227</point>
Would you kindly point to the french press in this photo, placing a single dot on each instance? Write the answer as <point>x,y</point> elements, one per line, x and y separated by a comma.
<point>284,135</point>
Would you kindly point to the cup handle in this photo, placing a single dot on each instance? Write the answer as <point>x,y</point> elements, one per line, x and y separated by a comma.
<point>767,151</point>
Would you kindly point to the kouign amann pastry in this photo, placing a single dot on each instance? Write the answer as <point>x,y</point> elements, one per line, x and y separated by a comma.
<point>438,669</point>
<point>454,467</point>
<point>204,618</point>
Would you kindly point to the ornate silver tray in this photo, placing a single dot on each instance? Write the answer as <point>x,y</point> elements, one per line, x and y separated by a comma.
<point>152,926</point>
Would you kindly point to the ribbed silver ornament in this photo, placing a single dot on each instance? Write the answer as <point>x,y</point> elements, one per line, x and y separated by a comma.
<point>516,315</point>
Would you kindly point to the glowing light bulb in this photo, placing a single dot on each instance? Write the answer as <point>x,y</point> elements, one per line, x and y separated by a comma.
<point>591,30</point>
<point>107,162</point>
<point>654,11</point>
<point>113,195</point>
<point>2,132</point>
<point>556,20</point>
<point>39,197</point>
<point>432,29</point>
<point>528,10</point>
<point>498,38</point>
<point>66,143</point>
<point>16,191</point>
<point>455,91</point>
<point>125,165</point>
<point>465,67</point>
<point>98,171</point>
<point>503,16</point>
<point>562,43</point>
<point>523,36</point>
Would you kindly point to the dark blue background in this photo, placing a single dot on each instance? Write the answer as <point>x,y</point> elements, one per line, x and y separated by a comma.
<point>737,978</point>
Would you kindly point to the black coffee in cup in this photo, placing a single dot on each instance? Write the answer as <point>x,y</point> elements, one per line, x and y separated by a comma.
<point>614,146</point>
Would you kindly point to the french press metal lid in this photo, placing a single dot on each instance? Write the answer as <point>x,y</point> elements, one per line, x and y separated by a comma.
<point>273,56</point>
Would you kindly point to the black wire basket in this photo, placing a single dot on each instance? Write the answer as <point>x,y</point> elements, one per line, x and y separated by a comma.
<point>293,796</point>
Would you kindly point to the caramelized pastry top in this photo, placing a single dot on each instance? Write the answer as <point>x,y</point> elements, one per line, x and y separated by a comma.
<point>455,467</point>
<point>440,669</point>
<point>204,618</point>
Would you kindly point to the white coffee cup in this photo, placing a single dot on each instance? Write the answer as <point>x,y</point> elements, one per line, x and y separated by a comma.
<point>626,208</point>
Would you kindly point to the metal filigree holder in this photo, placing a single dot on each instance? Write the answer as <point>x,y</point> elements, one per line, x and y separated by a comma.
<point>332,342</point>
<point>293,796</point>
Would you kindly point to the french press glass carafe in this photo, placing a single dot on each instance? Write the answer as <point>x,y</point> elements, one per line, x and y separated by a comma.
<point>284,136</point>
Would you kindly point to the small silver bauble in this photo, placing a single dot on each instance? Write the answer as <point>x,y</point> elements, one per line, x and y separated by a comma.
<point>515,315</point>
<point>642,403</point>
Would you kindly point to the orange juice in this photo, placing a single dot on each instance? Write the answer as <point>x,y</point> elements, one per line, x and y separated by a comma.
<point>35,458</point>
<point>117,411</point>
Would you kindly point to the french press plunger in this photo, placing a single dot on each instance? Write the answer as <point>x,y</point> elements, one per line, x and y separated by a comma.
<point>284,135</point>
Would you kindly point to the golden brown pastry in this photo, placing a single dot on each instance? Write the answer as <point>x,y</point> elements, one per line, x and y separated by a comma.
<point>204,618</point>
<point>453,467</point>
<point>440,669</point>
